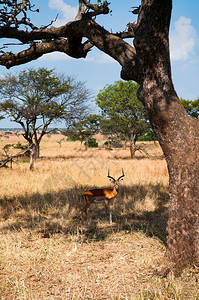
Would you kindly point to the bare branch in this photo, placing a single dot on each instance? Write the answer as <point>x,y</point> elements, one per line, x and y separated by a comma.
<point>46,26</point>
<point>81,10</point>
<point>97,9</point>
<point>19,7</point>
<point>10,158</point>
<point>12,9</point>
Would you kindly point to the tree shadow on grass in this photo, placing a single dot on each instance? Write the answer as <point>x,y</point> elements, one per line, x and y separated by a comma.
<point>136,208</point>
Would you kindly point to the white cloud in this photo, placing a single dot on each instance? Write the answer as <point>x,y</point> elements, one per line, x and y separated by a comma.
<point>182,39</point>
<point>99,58</point>
<point>55,56</point>
<point>59,56</point>
<point>68,12</point>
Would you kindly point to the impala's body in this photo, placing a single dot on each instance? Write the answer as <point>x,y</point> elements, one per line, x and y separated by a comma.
<point>101,195</point>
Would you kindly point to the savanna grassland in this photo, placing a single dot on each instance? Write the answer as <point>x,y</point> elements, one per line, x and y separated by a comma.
<point>46,252</point>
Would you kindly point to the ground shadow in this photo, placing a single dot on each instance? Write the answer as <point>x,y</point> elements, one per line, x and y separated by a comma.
<point>58,212</point>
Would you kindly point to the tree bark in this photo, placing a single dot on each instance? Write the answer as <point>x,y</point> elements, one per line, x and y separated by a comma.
<point>178,134</point>
<point>37,150</point>
<point>179,138</point>
<point>132,149</point>
<point>124,147</point>
<point>32,157</point>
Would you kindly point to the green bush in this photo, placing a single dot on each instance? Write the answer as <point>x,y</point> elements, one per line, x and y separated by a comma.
<point>20,146</point>
<point>147,137</point>
<point>92,143</point>
<point>73,138</point>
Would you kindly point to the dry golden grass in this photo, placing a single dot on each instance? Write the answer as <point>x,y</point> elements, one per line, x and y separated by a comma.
<point>47,253</point>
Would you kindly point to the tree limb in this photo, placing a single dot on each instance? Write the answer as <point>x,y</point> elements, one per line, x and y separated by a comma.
<point>97,9</point>
<point>10,158</point>
<point>68,39</point>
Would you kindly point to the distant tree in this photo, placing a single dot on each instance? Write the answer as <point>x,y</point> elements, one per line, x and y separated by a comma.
<point>192,107</point>
<point>126,116</point>
<point>36,98</point>
<point>84,129</point>
<point>109,128</point>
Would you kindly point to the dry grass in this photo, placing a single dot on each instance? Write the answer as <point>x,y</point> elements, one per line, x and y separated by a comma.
<point>47,253</point>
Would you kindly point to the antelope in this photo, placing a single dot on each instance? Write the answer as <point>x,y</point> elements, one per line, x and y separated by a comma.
<point>101,195</point>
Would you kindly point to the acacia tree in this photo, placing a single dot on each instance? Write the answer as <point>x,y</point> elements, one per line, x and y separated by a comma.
<point>147,62</point>
<point>126,114</point>
<point>84,129</point>
<point>36,98</point>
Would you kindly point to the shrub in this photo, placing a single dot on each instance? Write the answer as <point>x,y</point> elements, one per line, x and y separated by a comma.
<point>92,143</point>
<point>73,138</point>
<point>147,137</point>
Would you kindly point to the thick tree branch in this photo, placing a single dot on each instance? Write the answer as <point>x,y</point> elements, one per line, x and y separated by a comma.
<point>68,38</point>
<point>112,44</point>
<point>36,50</point>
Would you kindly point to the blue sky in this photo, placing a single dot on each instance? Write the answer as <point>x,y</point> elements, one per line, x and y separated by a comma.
<point>98,69</point>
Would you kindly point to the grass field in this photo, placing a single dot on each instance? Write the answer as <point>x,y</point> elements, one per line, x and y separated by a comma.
<point>47,253</point>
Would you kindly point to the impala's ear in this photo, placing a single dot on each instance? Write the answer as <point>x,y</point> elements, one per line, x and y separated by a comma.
<point>111,180</point>
<point>120,180</point>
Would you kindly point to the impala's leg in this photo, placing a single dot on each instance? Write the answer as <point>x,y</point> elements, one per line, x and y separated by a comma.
<point>106,206</point>
<point>84,209</point>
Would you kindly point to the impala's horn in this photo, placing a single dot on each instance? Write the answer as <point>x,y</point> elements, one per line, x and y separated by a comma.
<point>121,175</point>
<point>110,176</point>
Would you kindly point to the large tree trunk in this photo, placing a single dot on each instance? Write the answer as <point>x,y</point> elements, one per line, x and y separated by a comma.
<point>179,138</point>
<point>183,166</point>
<point>177,133</point>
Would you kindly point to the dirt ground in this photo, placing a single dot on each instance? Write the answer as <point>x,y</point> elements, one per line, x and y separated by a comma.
<point>60,267</point>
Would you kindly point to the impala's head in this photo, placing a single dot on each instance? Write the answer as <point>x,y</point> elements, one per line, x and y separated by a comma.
<point>114,181</point>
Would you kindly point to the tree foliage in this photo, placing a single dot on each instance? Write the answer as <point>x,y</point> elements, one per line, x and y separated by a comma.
<point>84,129</point>
<point>192,107</point>
<point>125,114</point>
<point>36,98</point>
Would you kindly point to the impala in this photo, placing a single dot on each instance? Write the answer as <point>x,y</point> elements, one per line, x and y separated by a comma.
<point>101,195</point>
